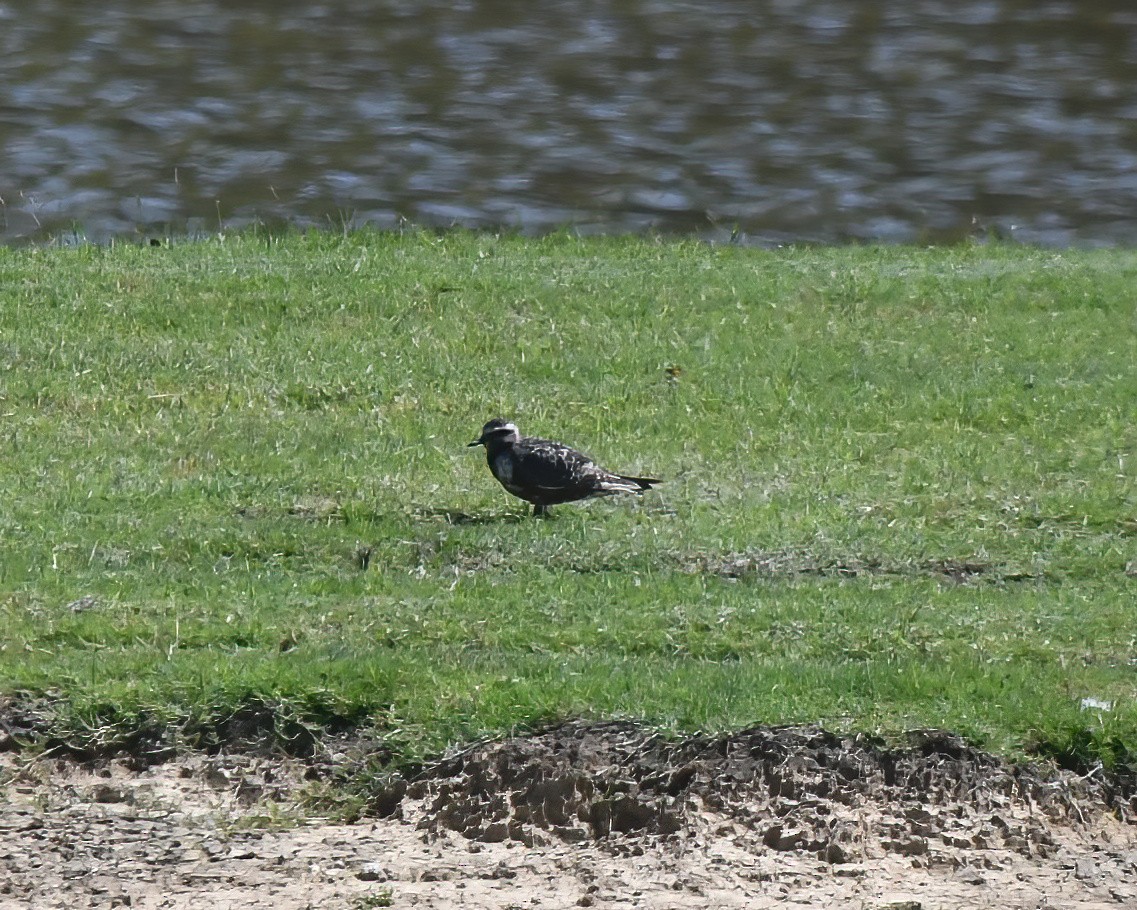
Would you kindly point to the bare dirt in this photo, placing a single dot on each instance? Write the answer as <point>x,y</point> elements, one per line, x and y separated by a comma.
<point>580,815</point>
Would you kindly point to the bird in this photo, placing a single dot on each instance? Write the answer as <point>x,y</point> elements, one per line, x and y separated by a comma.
<point>546,473</point>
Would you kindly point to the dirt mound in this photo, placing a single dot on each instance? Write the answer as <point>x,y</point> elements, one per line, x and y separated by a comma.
<point>608,815</point>
<point>797,788</point>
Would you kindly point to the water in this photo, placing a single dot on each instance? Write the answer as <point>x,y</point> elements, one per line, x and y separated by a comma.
<point>774,121</point>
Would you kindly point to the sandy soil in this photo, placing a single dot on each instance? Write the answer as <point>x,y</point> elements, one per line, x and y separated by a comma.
<point>603,816</point>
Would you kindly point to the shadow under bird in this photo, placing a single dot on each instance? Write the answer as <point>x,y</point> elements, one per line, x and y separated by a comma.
<point>546,473</point>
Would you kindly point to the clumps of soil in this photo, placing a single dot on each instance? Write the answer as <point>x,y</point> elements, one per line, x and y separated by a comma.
<point>580,814</point>
<point>794,788</point>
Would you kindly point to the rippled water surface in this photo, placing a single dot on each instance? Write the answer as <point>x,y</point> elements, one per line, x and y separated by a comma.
<point>820,120</point>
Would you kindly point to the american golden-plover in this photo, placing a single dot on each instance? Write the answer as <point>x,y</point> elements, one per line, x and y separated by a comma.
<point>546,473</point>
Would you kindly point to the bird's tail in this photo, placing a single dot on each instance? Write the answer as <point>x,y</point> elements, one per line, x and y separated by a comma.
<point>644,483</point>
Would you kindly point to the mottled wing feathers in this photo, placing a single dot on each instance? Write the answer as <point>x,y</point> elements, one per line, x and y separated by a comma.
<point>555,470</point>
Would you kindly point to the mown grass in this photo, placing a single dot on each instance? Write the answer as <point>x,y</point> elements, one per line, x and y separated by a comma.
<point>900,485</point>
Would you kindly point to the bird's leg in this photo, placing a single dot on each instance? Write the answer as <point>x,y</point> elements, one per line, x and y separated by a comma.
<point>540,511</point>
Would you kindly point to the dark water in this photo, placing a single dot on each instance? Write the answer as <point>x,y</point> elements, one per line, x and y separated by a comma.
<point>818,120</point>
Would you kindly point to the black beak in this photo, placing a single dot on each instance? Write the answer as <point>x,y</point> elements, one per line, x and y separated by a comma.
<point>480,441</point>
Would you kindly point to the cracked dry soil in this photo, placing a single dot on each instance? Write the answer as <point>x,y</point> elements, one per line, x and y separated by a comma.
<point>579,815</point>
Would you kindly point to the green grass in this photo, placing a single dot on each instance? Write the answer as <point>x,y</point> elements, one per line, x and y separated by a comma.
<point>207,438</point>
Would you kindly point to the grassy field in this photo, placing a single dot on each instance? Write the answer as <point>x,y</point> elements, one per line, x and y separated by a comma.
<point>900,486</point>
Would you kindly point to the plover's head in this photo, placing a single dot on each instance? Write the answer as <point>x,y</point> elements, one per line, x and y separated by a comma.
<point>497,432</point>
